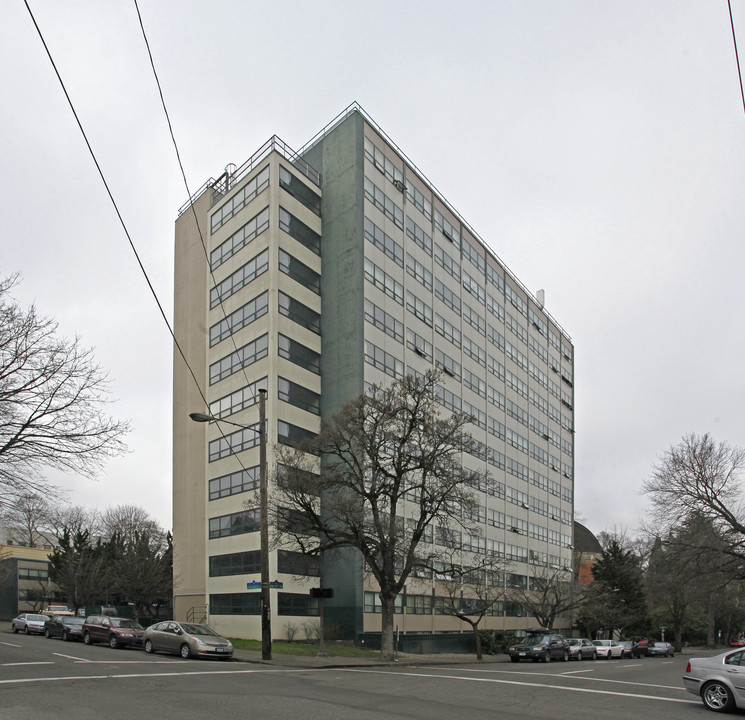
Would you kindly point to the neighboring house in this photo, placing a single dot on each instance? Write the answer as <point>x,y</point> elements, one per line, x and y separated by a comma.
<point>24,580</point>
<point>587,551</point>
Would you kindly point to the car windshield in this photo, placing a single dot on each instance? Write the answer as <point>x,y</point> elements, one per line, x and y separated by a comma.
<point>193,629</point>
<point>536,640</point>
<point>124,623</point>
<point>575,642</point>
<point>43,618</point>
<point>71,620</point>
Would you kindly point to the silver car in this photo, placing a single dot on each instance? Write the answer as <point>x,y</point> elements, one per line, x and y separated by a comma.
<point>719,680</point>
<point>29,622</point>
<point>187,640</point>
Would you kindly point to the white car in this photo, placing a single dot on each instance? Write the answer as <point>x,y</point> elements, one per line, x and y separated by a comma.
<point>719,680</point>
<point>29,622</point>
<point>608,649</point>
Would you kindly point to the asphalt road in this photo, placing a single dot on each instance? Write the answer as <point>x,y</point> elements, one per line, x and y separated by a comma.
<point>51,680</point>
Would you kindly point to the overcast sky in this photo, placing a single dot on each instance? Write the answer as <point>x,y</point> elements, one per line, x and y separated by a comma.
<point>597,147</point>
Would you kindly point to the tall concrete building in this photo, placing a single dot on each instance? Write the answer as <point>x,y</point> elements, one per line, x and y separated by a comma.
<point>312,274</point>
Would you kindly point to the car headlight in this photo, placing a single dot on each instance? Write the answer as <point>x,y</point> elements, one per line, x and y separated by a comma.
<point>538,648</point>
<point>513,648</point>
<point>198,641</point>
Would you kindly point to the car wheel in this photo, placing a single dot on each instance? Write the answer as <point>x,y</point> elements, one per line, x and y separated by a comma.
<point>87,639</point>
<point>594,656</point>
<point>149,646</point>
<point>65,636</point>
<point>113,642</point>
<point>565,656</point>
<point>15,629</point>
<point>185,651</point>
<point>26,630</point>
<point>608,656</point>
<point>717,697</point>
<point>47,635</point>
<point>546,658</point>
<point>580,656</point>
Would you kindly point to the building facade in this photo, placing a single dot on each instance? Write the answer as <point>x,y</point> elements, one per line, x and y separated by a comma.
<point>312,275</point>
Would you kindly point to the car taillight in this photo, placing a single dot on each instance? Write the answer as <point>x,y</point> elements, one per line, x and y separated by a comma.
<point>688,667</point>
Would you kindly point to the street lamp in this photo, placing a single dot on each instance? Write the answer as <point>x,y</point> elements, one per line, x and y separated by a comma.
<point>266,616</point>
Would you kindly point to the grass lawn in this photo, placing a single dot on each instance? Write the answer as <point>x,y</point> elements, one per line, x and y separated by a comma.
<point>301,648</point>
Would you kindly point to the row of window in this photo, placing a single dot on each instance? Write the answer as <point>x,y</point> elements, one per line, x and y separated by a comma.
<point>249,604</point>
<point>249,562</point>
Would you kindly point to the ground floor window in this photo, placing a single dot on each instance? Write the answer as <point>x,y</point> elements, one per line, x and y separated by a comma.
<point>235,604</point>
<point>296,604</point>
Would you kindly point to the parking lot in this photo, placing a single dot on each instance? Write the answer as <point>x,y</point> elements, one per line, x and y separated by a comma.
<point>55,679</point>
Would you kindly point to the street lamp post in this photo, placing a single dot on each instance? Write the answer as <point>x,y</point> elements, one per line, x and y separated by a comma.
<point>266,615</point>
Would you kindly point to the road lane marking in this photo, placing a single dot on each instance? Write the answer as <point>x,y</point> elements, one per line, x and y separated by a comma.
<point>584,677</point>
<point>73,657</point>
<point>576,672</point>
<point>39,662</point>
<point>545,686</point>
<point>118,662</point>
<point>22,681</point>
<point>10,644</point>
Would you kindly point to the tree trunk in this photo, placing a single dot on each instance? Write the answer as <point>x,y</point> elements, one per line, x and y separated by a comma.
<point>711,640</point>
<point>386,631</point>
<point>477,639</point>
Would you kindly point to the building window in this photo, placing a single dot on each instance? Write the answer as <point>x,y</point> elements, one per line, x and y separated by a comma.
<point>382,360</point>
<point>418,235</point>
<point>240,563</point>
<point>381,201</point>
<point>234,483</point>
<point>384,282</point>
<point>419,308</point>
<point>299,271</point>
<point>293,435</point>
<point>298,395</point>
<point>418,604</point>
<point>235,604</point>
<point>384,242</point>
<point>373,603</point>
<point>32,574</point>
<point>239,239</point>
<point>238,400</point>
<point>296,604</point>
<point>383,321</point>
<point>239,319</point>
<point>236,442</point>
<point>299,313</point>
<point>239,359</point>
<point>236,203</point>
<point>240,278</point>
<point>300,231</point>
<point>418,271</point>
<point>447,330</point>
<point>297,563</point>
<point>238,523</point>
<point>447,296</point>
<point>299,354</point>
<point>299,190</point>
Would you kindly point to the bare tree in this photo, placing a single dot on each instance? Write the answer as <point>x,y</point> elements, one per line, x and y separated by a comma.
<point>472,591</point>
<point>28,519</point>
<point>700,477</point>
<point>52,395</point>
<point>130,522</point>
<point>550,594</point>
<point>391,470</point>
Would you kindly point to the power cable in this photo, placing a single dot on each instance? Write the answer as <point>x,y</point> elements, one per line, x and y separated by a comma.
<point>111,198</point>
<point>737,56</point>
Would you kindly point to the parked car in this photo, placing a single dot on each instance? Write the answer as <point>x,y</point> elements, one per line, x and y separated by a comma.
<point>662,648</point>
<point>640,648</point>
<point>67,627</point>
<point>608,649</point>
<point>116,631</point>
<point>187,640</point>
<point>29,623</point>
<point>541,644</point>
<point>719,680</point>
<point>628,647</point>
<point>582,649</point>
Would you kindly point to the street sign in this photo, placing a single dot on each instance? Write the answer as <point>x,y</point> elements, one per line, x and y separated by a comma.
<point>256,585</point>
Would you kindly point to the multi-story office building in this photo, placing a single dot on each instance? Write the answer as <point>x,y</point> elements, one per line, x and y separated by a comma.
<point>312,274</point>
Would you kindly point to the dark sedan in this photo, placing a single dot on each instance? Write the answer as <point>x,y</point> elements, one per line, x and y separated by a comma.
<point>67,627</point>
<point>661,648</point>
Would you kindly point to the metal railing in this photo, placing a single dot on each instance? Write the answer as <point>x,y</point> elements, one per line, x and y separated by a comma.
<point>197,614</point>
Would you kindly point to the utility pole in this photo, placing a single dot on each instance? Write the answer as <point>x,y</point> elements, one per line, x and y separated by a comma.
<point>266,616</point>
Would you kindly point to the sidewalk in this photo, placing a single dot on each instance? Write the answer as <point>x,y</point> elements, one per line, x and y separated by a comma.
<point>333,661</point>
